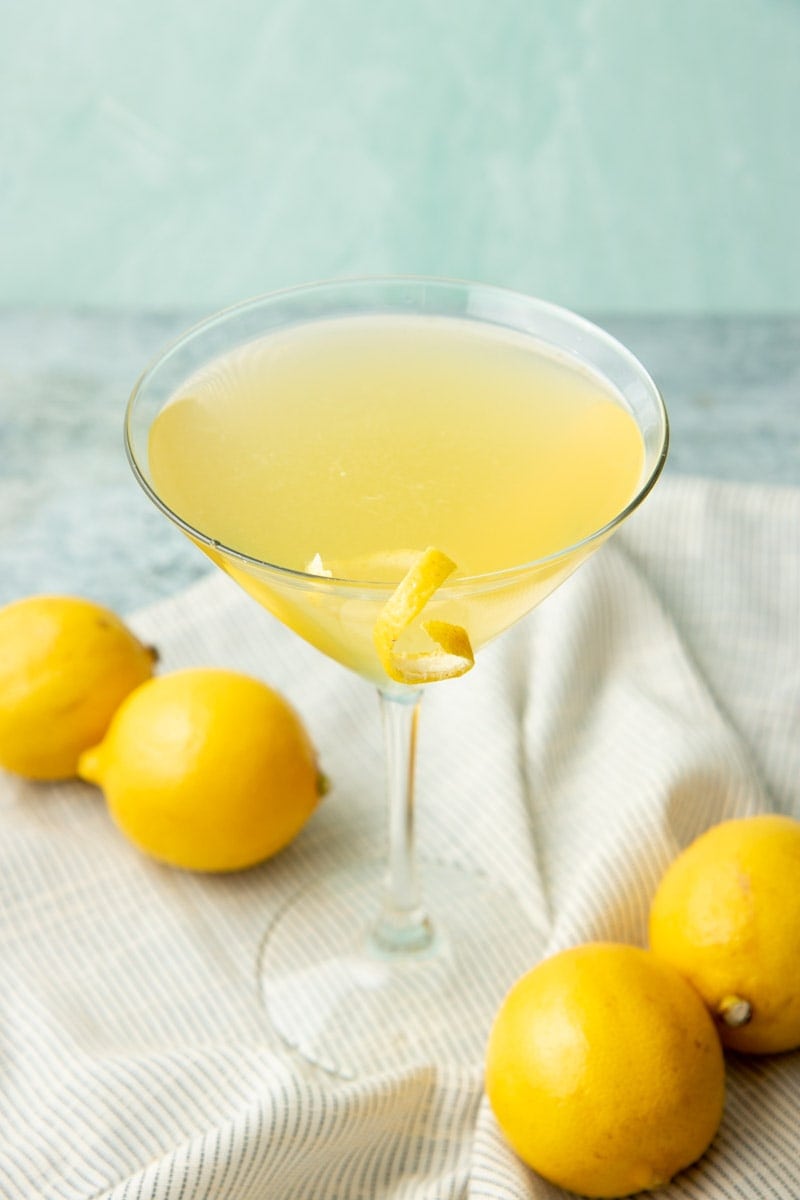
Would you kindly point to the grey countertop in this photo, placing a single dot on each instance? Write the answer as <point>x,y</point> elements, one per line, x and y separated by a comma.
<point>72,518</point>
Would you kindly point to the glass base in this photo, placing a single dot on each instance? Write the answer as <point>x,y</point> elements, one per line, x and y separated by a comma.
<point>343,1003</point>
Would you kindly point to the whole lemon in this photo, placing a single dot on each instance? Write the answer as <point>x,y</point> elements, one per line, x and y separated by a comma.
<point>727,915</point>
<point>206,769</point>
<point>65,665</point>
<point>604,1070</point>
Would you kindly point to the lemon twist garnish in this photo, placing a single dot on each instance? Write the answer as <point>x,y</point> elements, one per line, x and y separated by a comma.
<point>451,654</point>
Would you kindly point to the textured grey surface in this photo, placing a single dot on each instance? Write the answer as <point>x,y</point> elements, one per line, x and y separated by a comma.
<point>73,519</point>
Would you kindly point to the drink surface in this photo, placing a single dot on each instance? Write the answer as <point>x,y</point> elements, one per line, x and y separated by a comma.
<point>346,447</point>
<point>351,442</point>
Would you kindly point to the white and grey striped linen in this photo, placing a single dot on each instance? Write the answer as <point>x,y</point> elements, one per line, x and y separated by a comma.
<point>656,693</point>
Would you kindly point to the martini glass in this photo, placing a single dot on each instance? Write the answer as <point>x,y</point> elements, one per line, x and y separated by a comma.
<point>390,965</point>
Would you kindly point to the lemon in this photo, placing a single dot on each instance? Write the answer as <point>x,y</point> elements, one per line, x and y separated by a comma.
<point>65,665</point>
<point>451,654</point>
<point>206,769</point>
<point>604,1070</point>
<point>727,915</point>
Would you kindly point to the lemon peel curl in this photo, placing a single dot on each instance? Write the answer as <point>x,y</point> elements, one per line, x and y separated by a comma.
<point>451,654</point>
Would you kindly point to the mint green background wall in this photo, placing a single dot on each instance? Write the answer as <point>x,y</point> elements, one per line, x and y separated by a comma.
<point>628,155</point>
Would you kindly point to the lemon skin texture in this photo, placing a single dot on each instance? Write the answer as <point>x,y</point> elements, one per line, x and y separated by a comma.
<point>207,769</point>
<point>727,915</point>
<point>66,664</point>
<point>604,1070</point>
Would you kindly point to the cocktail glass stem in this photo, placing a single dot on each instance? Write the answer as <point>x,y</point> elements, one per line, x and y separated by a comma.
<point>403,926</point>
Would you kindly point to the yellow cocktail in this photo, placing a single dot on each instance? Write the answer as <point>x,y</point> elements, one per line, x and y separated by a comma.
<point>345,447</point>
<point>398,469</point>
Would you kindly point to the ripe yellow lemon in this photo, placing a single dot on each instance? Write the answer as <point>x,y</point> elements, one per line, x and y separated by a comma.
<point>206,769</point>
<point>727,915</point>
<point>604,1070</point>
<point>65,665</point>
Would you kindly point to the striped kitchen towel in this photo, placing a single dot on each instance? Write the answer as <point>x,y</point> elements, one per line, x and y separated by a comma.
<point>656,693</point>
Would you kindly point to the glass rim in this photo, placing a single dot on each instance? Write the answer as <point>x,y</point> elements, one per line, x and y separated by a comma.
<point>309,579</point>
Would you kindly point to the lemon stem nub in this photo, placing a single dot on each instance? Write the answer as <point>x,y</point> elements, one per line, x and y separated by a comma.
<point>89,766</point>
<point>734,1011</point>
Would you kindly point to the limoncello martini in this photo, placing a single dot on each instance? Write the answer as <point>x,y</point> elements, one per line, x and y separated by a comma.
<point>398,469</point>
<point>344,447</point>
